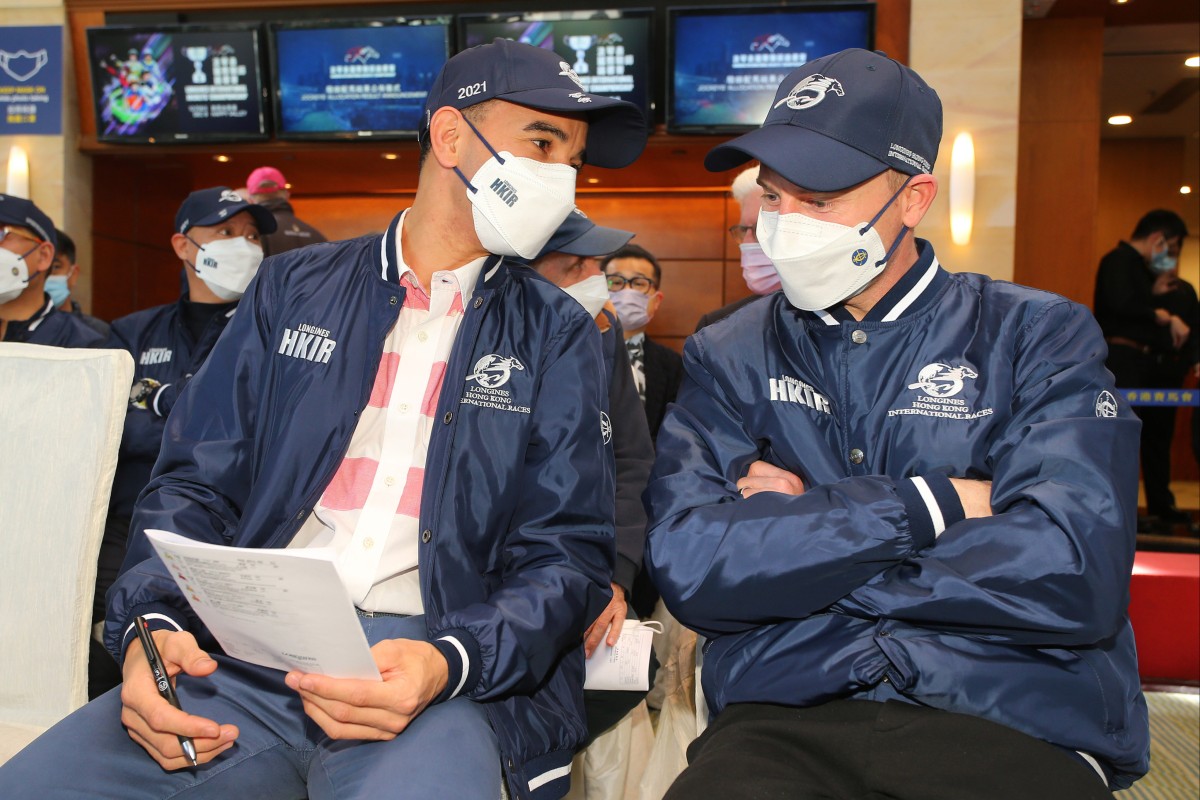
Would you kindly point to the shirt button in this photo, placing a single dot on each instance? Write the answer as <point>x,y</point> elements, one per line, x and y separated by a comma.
<point>858,337</point>
<point>856,456</point>
<point>368,543</point>
<point>422,336</point>
<point>389,480</point>
<point>403,408</point>
<point>426,535</point>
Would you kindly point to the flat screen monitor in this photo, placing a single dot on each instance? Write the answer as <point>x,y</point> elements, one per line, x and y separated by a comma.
<point>356,79</point>
<point>727,62</point>
<point>609,49</point>
<point>191,83</point>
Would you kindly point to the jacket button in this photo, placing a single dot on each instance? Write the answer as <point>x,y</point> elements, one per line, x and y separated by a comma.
<point>426,535</point>
<point>856,456</point>
<point>449,416</point>
<point>858,337</point>
<point>392,300</point>
<point>300,514</point>
<point>478,302</point>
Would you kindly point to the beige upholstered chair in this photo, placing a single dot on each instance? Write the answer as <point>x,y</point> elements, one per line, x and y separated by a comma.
<point>61,415</point>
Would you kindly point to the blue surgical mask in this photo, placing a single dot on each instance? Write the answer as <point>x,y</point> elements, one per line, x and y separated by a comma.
<point>56,287</point>
<point>1163,262</point>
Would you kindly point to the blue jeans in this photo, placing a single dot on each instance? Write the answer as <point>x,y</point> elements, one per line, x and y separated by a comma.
<point>449,750</point>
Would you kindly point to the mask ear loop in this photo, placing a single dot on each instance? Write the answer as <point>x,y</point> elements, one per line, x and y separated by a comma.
<point>486,144</point>
<point>903,230</point>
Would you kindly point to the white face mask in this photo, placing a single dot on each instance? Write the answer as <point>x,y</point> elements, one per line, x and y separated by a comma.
<point>227,265</point>
<point>757,270</point>
<point>14,275</point>
<point>591,293</point>
<point>518,203</point>
<point>633,308</point>
<point>822,263</point>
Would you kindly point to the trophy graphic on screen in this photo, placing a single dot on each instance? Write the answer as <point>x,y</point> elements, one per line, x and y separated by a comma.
<point>197,56</point>
<point>580,45</point>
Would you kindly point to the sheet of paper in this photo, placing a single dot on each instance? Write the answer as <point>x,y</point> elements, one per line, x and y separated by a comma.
<point>625,666</point>
<point>285,609</point>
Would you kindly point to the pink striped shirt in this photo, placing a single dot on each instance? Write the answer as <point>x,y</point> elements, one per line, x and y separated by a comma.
<point>369,511</point>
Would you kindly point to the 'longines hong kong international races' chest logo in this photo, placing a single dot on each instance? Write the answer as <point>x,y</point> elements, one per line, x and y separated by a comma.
<point>490,375</point>
<point>939,384</point>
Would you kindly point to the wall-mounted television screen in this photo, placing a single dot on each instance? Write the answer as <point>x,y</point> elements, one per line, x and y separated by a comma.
<point>609,50</point>
<point>356,79</point>
<point>727,62</point>
<point>188,83</point>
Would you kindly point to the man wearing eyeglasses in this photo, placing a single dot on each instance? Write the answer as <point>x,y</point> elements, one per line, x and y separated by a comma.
<point>635,287</point>
<point>27,314</point>
<point>758,271</point>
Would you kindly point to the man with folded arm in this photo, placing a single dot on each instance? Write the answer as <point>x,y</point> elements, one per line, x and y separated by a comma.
<point>898,502</point>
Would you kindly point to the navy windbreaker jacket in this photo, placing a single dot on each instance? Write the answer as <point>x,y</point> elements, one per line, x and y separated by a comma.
<point>164,350</point>
<point>516,549</point>
<point>846,590</point>
<point>54,328</point>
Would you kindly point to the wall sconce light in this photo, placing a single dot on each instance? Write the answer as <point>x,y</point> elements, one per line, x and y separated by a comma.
<point>962,188</point>
<point>18,172</point>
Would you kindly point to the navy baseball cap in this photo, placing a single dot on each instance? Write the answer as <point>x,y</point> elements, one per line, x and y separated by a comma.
<point>579,236</point>
<point>841,119</point>
<point>205,207</point>
<point>538,78</point>
<point>22,212</point>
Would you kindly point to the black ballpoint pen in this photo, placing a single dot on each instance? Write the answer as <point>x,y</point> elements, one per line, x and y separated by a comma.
<point>161,680</point>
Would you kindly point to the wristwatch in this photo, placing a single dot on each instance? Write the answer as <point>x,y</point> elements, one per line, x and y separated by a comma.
<point>142,391</point>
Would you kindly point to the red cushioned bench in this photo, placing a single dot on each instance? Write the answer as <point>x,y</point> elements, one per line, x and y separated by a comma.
<point>1164,606</point>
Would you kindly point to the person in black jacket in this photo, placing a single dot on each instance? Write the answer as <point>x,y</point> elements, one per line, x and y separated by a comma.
<point>571,261</point>
<point>1148,314</point>
<point>635,286</point>
<point>60,284</point>
<point>267,187</point>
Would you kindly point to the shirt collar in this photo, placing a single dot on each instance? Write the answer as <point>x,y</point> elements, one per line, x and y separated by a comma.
<point>394,267</point>
<point>911,293</point>
<point>636,340</point>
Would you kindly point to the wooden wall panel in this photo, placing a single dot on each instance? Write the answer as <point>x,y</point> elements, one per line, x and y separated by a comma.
<point>1136,175</point>
<point>350,216</point>
<point>678,209</point>
<point>1059,155</point>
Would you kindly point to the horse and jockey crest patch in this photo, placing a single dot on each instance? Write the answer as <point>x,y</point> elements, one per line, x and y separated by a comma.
<point>491,374</point>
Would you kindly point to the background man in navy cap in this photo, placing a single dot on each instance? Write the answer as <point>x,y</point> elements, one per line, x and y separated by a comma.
<point>899,502</point>
<point>434,417</point>
<point>571,261</point>
<point>27,313</point>
<point>217,240</point>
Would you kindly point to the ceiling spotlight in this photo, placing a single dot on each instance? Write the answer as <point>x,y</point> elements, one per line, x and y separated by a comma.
<point>593,180</point>
<point>389,156</point>
<point>222,159</point>
<point>1185,190</point>
<point>1120,119</point>
<point>1194,61</point>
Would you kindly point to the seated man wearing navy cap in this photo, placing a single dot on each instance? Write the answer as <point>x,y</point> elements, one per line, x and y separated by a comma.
<point>898,502</point>
<point>218,241</point>
<point>27,313</point>
<point>571,261</point>
<point>431,415</point>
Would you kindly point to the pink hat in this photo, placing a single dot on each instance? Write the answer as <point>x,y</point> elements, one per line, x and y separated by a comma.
<point>265,180</point>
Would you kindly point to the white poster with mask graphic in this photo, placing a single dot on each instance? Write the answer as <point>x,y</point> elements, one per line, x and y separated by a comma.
<point>31,80</point>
